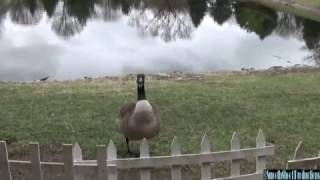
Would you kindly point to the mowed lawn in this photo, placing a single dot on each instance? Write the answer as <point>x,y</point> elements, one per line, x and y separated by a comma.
<point>286,107</point>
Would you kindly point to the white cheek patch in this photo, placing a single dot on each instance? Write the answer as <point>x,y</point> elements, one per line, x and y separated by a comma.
<point>143,105</point>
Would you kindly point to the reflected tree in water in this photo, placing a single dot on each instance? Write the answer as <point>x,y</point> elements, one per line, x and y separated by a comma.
<point>168,19</point>
<point>110,10</point>
<point>311,36</point>
<point>25,12</point>
<point>4,5</point>
<point>221,10</point>
<point>197,10</point>
<point>287,25</point>
<point>64,24</point>
<point>81,10</point>
<point>256,18</point>
<point>126,6</point>
<point>1,23</point>
<point>49,6</point>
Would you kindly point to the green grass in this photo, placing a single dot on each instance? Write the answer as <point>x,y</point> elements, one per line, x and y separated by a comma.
<point>286,107</point>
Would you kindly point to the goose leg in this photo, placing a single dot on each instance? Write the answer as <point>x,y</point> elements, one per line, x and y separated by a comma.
<point>130,153</point>
<point>128,147</point>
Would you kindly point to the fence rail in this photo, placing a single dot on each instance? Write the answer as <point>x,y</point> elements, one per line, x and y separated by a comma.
<point>107,164</point>
<point>299,162</point>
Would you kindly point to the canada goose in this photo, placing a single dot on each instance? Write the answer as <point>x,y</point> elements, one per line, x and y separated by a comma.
<point>140,119</point>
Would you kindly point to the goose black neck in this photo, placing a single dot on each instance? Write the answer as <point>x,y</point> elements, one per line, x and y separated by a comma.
<point>141,93</point>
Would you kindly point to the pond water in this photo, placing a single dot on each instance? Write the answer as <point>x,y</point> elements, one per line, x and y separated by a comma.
<point>70,39</point>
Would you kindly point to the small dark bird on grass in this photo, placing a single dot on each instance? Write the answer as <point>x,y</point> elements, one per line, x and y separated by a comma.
<point>140,119</point>
<point>44,79</point>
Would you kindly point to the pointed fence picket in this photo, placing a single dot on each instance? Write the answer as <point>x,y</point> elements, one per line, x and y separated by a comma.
<point>145,153</point>
<point>260,160</point>
<point>112,156</point>
<point>175,151</point>
<point>107,164</point>
<point>77,157</point>
<point>235,163</point>
<point>205,166</point>
<point>299,162</point>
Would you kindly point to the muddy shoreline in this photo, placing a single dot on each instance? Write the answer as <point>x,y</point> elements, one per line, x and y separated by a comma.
<point>177,75</point>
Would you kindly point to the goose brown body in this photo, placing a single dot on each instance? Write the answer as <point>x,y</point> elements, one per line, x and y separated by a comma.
<point>138,125</point>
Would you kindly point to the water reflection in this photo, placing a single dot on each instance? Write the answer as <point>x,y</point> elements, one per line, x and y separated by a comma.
<point>3,10</point>
<point>25,12</point>
<point>221,10</point>
<point>256,19</point>
<point>287,26</point>
<point>49,6</point>
<point>65,24</point>
<point>311,35</point>
<point>169,21</point>
<point>110,10</point>
<point>21,64</point>
<point>197,9</point>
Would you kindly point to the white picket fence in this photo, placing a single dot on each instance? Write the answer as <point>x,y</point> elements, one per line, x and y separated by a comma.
<point>107,164</point>
<point>299,162</point>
